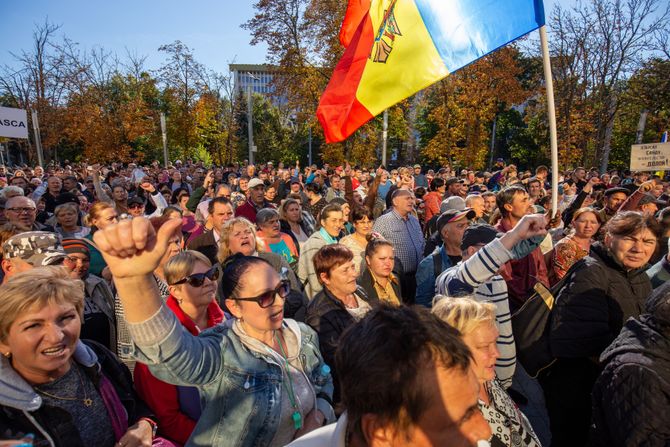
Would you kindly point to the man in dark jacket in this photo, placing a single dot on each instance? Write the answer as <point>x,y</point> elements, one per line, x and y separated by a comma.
<point>631,398</point>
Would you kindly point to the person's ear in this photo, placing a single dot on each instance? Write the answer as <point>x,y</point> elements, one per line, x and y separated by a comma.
<point>325,279</point>
<point>376,433</point>
<point>508,207</point>
<point>234,308</point>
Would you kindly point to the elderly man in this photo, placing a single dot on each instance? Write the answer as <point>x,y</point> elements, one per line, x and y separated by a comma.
<point>428,395</point>
<point>21,211</point>
<point>220,211</point>
<point>255,201</point>
<point>402,229</point>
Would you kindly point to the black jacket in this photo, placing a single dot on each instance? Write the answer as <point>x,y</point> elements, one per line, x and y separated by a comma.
<point>594,304</point>
<point>57,422</point>
<point>329,318</point>
<point>631,398</point>
<point>366,282</point>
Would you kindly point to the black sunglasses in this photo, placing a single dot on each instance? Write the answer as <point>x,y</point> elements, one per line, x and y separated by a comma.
<point>267,299</point>
<point>198,279</point>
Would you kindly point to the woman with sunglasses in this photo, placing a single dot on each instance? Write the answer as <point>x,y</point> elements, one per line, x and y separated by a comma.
<point>192,285</point>
<point>261,377</point>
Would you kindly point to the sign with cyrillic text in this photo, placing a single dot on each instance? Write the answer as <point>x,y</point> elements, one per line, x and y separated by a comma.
<point>13,123</point>
<point>650,157</point>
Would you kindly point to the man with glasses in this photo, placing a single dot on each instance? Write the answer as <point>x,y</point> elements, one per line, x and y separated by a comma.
<point>21,211</point>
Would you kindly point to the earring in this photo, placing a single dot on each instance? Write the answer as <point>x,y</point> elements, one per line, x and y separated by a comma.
<point>7,354</point>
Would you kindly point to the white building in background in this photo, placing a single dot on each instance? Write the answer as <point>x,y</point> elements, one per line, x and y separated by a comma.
<point>258,77</point>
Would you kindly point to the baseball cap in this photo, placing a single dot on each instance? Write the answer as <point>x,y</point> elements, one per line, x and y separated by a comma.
<point>451,180</point>
<point>66,197</point>
<point>609,192</point>
<point>452,203</point>
<point>478,234</point>
<point>648,198</point>
<point>136,199</point>
<point>37,248</point>
<point>450,216</point>
<point>417,166</point>
<point>254,182</point>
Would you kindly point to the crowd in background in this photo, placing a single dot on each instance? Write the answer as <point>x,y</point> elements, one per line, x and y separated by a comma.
<point>270,305</point>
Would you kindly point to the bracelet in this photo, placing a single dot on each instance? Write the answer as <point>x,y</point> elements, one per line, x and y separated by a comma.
<point>154,425</point>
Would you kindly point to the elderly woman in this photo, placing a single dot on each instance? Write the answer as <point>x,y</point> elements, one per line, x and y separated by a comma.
<point>330,222</point>
<point>64,391</point>
<point>604,290</point>
<point>67,215</point>
<point>192,283</point>
<point>476,321</point>
<point>238,235</point>
<point>575,246</point>
<point>292,223</point>
<point>276,241</point>
<point>339,304</point>
<point>261,378</point>
<point>358,240</point>
<point>377,279</point>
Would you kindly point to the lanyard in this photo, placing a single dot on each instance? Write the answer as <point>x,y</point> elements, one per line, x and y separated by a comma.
<point>296,416</point>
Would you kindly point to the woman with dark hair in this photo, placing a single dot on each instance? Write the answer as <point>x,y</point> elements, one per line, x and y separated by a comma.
<point>330,223</point>
<point>339,304</point>
<point>434,198</point>
<point>361,217</point>
<point>261,377</point>
<point>275,241</point>
<point>377,278</point>
<point>585,225</point>
<point>374,201</point>
<point>603,290</point>
<point>292,223</point>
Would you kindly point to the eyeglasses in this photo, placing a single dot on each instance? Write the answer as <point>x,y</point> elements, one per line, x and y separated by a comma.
<point>198,279</point>
<point>267,299</point>
<point>21,210</point>
<point>135,205</point>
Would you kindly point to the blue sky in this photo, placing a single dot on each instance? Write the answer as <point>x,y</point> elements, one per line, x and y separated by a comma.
<point>210,27</point>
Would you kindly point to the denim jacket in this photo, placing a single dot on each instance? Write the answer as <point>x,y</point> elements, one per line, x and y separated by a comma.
<point>240,389</point>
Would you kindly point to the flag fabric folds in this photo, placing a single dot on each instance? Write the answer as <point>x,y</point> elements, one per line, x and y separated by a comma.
<point>395,48</point>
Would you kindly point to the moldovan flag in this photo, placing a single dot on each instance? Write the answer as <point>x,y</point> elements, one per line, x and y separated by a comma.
<point>396,48</point>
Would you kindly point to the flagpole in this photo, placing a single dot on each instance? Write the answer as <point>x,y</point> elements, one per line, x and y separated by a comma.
<point>551,110</point>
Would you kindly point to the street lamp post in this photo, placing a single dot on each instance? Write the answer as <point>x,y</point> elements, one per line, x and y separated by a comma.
<point>250,118</point>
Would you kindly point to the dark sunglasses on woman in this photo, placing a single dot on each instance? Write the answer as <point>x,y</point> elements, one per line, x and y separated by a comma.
<point>198,279</point>
<point>267,299</point>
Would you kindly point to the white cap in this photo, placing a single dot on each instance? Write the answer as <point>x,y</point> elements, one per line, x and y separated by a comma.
<point>254,182</point>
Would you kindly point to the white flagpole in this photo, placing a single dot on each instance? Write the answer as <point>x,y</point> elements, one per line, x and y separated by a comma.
<point>551,111</point>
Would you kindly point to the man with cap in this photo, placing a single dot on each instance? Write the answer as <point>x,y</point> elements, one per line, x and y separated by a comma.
<point>255,201</point>
<point>434,238</point>
<point>99,322</point>
<point>485,252</point>
<point>22,212</point>
<point>403,230</point>
<point>450,227</point>
<point>420,179</point>
<point>31,249</point>
<point>642,200</point>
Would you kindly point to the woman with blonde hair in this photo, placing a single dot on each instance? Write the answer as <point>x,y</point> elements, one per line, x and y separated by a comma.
<point>66,221</point>
<point>476,321</point>
<point>64,391</point>
<point>192,283</point>
<point>100,216</point>
<point>238,236</point>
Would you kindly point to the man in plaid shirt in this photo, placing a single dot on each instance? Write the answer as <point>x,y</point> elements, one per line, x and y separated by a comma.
<point>400,227</point>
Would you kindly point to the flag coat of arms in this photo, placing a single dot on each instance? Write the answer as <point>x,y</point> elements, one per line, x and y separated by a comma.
<point>395,48</point>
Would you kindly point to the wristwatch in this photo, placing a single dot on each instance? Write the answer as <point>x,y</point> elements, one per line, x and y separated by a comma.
<point>154,426</point>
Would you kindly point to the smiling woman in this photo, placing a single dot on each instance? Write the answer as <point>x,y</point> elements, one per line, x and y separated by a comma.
<point>52,384</point>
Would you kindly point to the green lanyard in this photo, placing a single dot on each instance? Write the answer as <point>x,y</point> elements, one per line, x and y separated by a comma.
<point>296,416</point>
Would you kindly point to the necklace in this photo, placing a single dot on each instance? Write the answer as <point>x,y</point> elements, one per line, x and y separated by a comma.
<point>86,400</point>
<point>296,416</point>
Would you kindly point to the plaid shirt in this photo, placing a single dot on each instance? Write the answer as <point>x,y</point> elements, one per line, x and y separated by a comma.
<point>406,237</point>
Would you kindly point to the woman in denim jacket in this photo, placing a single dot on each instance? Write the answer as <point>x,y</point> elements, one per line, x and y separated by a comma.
<point>262,379</point>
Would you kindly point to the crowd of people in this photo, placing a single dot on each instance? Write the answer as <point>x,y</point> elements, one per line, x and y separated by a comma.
<point>263,305</point>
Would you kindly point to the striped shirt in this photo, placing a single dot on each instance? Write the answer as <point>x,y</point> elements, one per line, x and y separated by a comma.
<point>478,276</point>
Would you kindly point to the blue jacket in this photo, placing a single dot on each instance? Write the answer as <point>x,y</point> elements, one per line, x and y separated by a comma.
<point>425,276</point>
<point>241,389</point>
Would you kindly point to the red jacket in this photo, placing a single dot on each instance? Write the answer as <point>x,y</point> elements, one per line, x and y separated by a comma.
<point>248,210</point>
<point>163,398</point>
<point>522,274</point>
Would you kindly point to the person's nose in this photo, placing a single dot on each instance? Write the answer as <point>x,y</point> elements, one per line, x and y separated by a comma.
<point>54,333</point>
